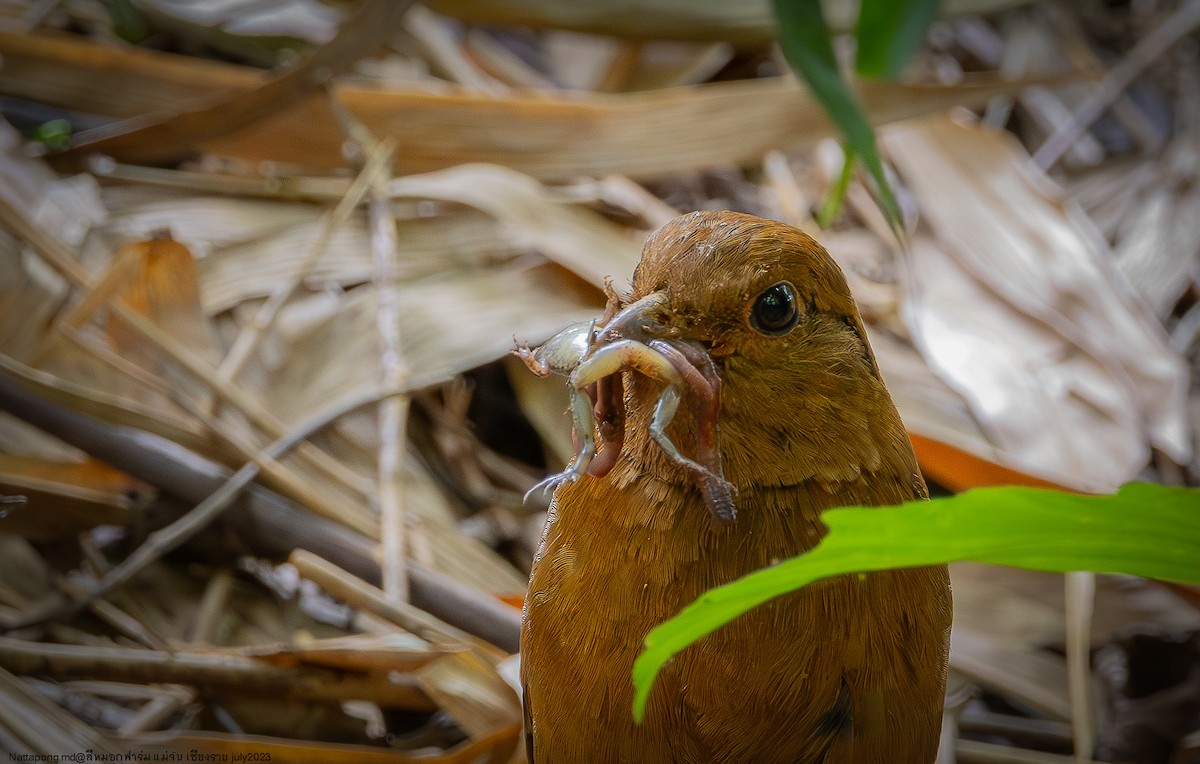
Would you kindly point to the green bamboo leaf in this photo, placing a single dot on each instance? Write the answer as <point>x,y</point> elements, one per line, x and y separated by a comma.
<point>889,33</point>
<point>837,195</point>
<point>1143,530</point>
<point>128,23</point>
<point>55,133</point>
<point>805,39</point>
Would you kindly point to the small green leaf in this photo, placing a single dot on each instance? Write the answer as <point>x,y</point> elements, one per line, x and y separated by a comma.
<point>889,33</point>
<point>1143,530</point>
<point>128,23</point>
<point>55,133</point>
<point>807,46</point>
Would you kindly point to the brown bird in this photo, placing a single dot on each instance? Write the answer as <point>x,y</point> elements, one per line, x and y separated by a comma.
<point>850,669</point>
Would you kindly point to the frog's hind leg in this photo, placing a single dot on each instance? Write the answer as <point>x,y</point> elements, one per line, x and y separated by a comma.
<point>699,377</point>
<point>664,413</point>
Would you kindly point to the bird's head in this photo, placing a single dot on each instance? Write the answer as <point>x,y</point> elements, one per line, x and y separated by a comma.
<point>801,395</point>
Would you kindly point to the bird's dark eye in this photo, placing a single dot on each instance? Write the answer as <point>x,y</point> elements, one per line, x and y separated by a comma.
<point>774,311</point>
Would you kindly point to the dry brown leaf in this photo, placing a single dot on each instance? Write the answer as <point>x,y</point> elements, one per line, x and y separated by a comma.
<point>450,324</point>
<point>1017,295</point>
<point>162,284</point>
<point>73,73</point>
<point>643,135</point>
<point>159,138</point>
<point>63,499</point>
<point>747,22</point>
<point>90,398</point>
<point>472,692</point>
<point>454,240</point>
<point>28,296</point>
<point>578,239</point>
<point>68,211</point>
<point>30,292</point>
<point>492,749</point>
<point>928,405</point>
<point>636,134</point>
<point>24,574</point>
<point>1050,412</point>
<point>355,652</point>
<point>1156,241</point>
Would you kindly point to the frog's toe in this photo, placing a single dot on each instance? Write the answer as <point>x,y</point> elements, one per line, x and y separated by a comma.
<point>551,484</point>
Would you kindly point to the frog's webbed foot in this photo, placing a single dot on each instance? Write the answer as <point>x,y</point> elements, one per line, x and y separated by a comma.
<point>529,358</point>
<point>548,485</point>
<point>583,421</point>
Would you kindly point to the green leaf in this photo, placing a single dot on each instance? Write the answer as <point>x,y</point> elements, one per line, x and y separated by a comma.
<point>807,46</point>
<point>889,33</point>
<point>55,133</point>
<point>128,23</point>
<point>1143,530</point>
<point>837,195</point>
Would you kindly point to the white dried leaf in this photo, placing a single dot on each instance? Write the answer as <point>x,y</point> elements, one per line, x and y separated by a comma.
<point>1016,302</point>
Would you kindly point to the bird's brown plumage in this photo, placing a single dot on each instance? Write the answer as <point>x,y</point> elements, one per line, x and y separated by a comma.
<point>850,669</point>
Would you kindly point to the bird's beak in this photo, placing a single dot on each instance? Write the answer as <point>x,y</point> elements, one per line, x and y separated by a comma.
<point>641,321</point>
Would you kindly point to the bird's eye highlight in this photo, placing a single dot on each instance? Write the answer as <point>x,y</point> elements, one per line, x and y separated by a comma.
<point>774,311</point>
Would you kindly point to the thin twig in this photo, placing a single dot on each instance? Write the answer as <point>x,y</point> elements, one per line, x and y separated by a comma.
<point>117,363</point>
<point>126,624</point>
<point>1080,599</point>
<point>1172,29</point>
<point>250,335</point>
<point>60,259</point>
<point>393,410</point>
<point>157,710</point>
<point>162,138</point>
<point>359,594</point>
<point>168,538</point>
<point>114,278</point>
<point>40,724</point>
<point>213,603</point>
<point>215,670</point>
<point>975,752</point>
<point>300,188</point>
<point>444,49</point>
